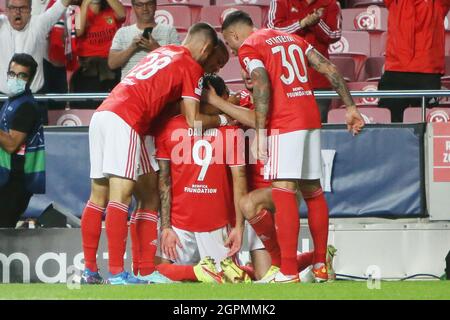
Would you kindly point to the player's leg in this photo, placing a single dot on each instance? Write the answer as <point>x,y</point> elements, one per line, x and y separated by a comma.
<point>257,207</point>
<point>91,226</point>
<point>146,192</point>
<point>287,224</point>
<point>91,220</point>
<point>145,234</point>
<point>261,259</point>
<point>285,168</point>
<point>318,216</point>
<point>121,190</point>
<point>181,269</point>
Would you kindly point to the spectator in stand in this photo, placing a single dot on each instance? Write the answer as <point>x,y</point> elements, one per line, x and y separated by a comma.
<point>319,23</point>
<point>130,44</point>
<point>98,22</point>
<point>61,57</point>
<point>22,33</point>
<point>414,51</point>
<point>21,142</point>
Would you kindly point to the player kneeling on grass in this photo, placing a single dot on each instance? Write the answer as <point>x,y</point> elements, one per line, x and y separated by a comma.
<point>202,178</point>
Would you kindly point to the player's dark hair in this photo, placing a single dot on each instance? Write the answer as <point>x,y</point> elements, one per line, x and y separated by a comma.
<point>234,17</point>
<point>206,29</point>
<point>27,61</point>
<point>216,82</point>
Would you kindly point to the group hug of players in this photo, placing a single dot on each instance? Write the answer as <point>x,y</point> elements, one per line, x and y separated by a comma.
<point>171,135</point>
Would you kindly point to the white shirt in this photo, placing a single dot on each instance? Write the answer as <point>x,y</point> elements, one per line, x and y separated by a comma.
<point>32,40</point>
<point>163,34</point>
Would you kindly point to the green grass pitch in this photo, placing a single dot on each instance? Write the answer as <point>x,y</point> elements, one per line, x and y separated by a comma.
<point>340,290</point>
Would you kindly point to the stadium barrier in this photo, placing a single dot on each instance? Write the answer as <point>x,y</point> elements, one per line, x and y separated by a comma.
<point>354,168</point>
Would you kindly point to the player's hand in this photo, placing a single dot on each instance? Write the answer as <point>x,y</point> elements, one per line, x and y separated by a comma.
<point>169,243</point>
<point>259,146</point>
<point>210,95</point>
<point>354,120</point>
<point>234,241</point>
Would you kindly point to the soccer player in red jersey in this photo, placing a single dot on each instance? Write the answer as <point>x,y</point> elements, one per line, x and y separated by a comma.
<point>117,152</point>
<point>196,194</point>
<point>285,105</point>
<point>146,194</point>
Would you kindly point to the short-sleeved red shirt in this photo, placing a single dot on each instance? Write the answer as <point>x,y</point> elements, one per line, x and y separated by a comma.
<point>165,76</point>
<point>292,106</point>
<point>202,192</point>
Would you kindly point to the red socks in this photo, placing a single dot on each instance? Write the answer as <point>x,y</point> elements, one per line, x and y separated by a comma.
<point>134,244</point>
<point>304,260</point>
<point>287,226</point>
<point>147,233</point>
<point>91,228</point>
<point>177,272</point>
<point>117,232</point>
<point>318,220</point>
<point>264,227</point>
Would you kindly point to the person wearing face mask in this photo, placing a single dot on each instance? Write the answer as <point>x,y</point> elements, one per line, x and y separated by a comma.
<point>22,154</point>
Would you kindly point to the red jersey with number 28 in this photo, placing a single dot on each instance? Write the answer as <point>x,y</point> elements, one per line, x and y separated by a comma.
<point>202,193</point>
<point>292,106</point>
<point>164,76</point>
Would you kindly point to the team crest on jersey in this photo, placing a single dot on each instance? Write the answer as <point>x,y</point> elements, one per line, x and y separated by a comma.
<point>109,20</point>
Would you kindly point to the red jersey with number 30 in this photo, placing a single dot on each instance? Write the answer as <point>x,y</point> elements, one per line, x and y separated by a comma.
<point>292,106</point>
<point>202,193</point>
<point>164,76</point>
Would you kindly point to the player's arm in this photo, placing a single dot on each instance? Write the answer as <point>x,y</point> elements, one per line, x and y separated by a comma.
<point>261,99</point>
<point>354,120</point>
<point>239,177</point>
<point>169,239</point>
<point>165,194</point>
<point>245,116</point>
<point>190,108</point>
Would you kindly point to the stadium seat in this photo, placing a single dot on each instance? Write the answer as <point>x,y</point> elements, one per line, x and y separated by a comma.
<point>438,114</point>
<point>364,86</point>
<point>446,76</point>
<point>184,2</point>
<point>346,66</point>
<point>370,115</point>
<point>378,44</point>
<point>373,18</point>
<point>445,85</point>
<point>373,69</point>
<point>2,5</point>
<point>231,72</point>
<point>216,14</point>
<point>354,44</point>
<point>364,3</point>
<point>180,16</point>
<point>242,2</point>
<point>70,118</point>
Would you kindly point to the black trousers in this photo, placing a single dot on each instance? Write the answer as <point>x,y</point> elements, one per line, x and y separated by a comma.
<point>14,200</point>
<point>393,80</point>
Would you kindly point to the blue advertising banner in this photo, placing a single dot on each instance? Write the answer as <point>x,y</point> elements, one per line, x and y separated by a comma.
<point>379,173</point>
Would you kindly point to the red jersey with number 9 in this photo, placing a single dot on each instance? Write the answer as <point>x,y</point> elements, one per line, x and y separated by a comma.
<point>202,192</point>
<point>164,76</point>
<point>292,106</point>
